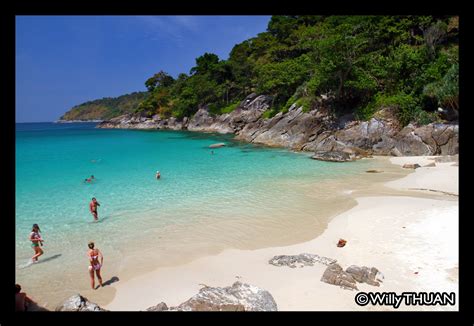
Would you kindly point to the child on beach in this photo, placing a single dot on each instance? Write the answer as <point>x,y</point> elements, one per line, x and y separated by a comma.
<point>36,241</point>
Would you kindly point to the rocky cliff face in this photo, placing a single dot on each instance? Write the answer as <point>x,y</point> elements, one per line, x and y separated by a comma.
<point>316,131</point>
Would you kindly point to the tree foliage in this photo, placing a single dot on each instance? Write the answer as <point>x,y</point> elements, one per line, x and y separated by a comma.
<point>409,62</point>
<point>106,108</point>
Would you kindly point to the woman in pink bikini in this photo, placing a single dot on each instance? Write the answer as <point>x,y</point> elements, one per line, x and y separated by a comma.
<point>93,255</point>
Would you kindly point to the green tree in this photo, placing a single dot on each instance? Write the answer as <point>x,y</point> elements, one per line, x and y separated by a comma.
<point>446,90</point>
<point>205,63</point>
<point>160,79</point>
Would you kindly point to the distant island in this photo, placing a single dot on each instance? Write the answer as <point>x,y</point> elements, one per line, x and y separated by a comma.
<point>103,109</point>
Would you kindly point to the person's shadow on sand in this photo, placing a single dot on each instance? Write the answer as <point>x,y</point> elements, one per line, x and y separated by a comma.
<point>35,307</point>
<point>49,258</point>
<point>112,280</point>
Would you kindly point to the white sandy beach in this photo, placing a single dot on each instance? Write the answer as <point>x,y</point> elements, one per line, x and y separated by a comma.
<point>413,241</point>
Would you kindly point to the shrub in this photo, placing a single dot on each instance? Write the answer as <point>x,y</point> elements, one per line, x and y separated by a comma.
<point>230,107</point>
<point>422,117</point>
<point>407,106</point>
<point>270,113</point>
<point>446,90</point>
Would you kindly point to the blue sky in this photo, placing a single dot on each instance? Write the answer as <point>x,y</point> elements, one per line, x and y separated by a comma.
<point>62,61</point>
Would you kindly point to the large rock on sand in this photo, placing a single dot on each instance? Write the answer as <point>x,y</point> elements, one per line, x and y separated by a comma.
<point>159,307</point>
<point>364,274</point>
<point>411,166</point>
<point>334,274</point>
<point>238,297</point>
<point>78,303</point>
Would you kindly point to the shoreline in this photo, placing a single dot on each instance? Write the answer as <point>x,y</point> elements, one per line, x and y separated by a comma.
<point>212,236</point>
<point>389,242</point>
<point>259,232</point>
<point>78,121</point>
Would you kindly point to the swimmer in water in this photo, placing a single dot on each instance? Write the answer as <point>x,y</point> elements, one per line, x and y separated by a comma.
<point>158,175</point>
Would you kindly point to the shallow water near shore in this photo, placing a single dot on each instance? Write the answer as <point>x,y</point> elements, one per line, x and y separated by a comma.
<point>240,196</point>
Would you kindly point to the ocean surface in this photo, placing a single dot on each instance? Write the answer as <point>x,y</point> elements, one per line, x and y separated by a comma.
<point>239,196</point>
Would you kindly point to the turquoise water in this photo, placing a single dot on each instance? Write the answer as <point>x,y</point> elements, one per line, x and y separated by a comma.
<point>52,161</point>
<point>203,202</point>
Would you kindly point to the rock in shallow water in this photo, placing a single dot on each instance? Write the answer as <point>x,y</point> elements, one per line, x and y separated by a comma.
<point>217,145</point>
<point>333,156</point>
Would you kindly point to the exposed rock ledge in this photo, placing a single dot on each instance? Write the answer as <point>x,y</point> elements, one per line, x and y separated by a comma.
<point>334,274</point>
<point>315,131</point>
<point>238,297</point>
<point>300,260</point>
<point>78,303</point>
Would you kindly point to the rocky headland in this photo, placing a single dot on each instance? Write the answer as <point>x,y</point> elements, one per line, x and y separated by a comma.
<point>318,130</point>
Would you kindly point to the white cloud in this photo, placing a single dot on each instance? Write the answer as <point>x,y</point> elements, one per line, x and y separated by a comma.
<point>171,27</point>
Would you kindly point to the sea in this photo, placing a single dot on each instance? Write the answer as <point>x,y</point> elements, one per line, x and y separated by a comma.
<point>240,196</point>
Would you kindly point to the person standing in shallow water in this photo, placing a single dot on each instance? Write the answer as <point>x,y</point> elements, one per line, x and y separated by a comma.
<point>95,266</point>
<point>93,208</point>
<point>36,241</point>
<point>158,175</point>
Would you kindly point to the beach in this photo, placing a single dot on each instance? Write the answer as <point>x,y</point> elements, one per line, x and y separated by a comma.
<point>411,236</point>
<point>243,196</point>
<point>278,163</point>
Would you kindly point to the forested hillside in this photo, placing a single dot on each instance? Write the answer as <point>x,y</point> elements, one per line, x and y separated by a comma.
<point>106,108</point>
<point>363,62</point>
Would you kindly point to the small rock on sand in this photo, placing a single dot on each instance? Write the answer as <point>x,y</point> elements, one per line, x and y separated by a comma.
<point>411,166</point>
<point>341,243</point>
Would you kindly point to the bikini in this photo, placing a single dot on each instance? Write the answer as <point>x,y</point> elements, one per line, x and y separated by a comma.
<point>95,266</point>
<point>35,235</point>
